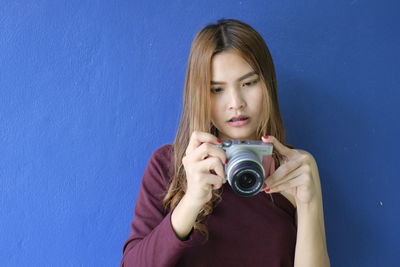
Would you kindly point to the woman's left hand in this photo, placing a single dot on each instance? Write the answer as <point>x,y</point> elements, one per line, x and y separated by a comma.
<point>296,175</point>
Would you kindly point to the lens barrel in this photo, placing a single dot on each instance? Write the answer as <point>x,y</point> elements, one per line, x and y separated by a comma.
<point>246,178</point>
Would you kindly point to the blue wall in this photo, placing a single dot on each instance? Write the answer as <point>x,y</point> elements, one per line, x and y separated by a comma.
<point>88,89</point>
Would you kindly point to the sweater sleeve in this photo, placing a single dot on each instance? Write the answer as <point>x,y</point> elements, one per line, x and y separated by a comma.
<point>152,241</point>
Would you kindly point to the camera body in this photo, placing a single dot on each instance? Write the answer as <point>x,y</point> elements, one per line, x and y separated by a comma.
<point>248,165</point>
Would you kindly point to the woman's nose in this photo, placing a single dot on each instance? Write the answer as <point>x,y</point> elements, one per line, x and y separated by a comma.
<point>236,100</point>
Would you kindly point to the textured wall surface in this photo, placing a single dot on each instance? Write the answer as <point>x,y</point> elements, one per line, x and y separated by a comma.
<point>88,90</point>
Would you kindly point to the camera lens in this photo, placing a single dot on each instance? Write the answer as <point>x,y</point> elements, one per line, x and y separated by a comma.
<point>245,172</point>
<point>246,180</point>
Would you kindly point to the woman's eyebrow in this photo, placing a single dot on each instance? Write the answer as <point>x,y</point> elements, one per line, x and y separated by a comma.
<point>241,78</point>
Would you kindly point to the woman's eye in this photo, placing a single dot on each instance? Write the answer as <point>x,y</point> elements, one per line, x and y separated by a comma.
<point>250,83</point>
<point>216,90</point>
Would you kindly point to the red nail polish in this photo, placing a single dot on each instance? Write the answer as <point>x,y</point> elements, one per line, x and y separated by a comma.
<point>264,186</point>
<point>219,140</point>
<point>226,161</point>
<point>265,136</point>
<point>267,189</point>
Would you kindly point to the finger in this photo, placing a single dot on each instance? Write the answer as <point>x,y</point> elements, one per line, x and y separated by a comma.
<point>197,138</point>
<point>297,172</point>
<point>283,171</point>
<point>284,150</point>
<point>206,150</point>
<point>217,186</point>
<point>214,164</point>
<point>295,182</point>
<point>212,180</point>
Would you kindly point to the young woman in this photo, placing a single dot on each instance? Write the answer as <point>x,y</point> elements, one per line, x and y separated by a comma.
<point>186,214</point>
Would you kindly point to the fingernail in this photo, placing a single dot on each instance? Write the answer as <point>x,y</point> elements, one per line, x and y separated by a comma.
<point>265,137</point>
<point>226,161</point>
<point>264,186</point>
<point>219,140</point>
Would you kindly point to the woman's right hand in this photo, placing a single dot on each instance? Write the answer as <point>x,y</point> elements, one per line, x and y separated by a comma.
<point>204,167</point>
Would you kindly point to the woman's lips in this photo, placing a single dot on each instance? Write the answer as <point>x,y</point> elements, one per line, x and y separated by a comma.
<point>239,123</point>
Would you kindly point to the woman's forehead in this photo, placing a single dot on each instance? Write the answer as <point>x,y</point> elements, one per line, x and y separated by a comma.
<point>229,66</point>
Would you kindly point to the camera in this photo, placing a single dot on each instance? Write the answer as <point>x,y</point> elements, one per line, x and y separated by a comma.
<point>248,165</point>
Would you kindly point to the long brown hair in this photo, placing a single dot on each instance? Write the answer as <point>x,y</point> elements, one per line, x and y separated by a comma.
<point>212,39</point>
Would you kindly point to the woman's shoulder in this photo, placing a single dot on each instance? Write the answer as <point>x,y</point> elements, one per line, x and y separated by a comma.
<point>157,172</point>
<point>163,152</point>
<point>161,159</point>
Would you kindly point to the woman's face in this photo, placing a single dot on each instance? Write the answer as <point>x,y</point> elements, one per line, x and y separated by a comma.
<point>235,90</point>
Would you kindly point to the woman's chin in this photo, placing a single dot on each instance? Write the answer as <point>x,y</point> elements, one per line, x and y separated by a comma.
<point>238,136</point>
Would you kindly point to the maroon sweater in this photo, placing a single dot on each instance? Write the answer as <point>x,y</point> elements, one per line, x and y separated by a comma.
<point>243,231</point>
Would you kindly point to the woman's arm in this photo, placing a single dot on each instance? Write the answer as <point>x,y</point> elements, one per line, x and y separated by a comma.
<point>311,249</point>
<point>152,241</point>
<point>310,245</point>
<point>183,217</point>
<point>299,177</point>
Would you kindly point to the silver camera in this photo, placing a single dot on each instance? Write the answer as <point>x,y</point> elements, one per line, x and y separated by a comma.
<point>248,166</point>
